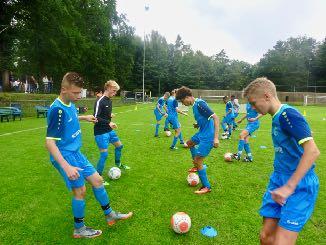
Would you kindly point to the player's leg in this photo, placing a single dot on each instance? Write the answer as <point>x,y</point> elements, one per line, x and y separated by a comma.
<point>244,133</point>
<point>103,198</point>
<point>249,157</point>
<point>158,117</point>
<point>78,201</point>
<point>102,142</point>
<point>283,236</point>
<point>191,144</point>
<point>114,139</point>
<point>166,124</point>
<point>203,150</point>
<point>267,233</point>
<point>206,187</point>
<point>177,129</point>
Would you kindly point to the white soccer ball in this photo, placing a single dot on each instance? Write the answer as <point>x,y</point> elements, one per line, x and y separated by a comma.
<point>168,133</point>
<point>193,179</point>
<point>180,222</point>
<point>114,173</point>
<point>228,157</point>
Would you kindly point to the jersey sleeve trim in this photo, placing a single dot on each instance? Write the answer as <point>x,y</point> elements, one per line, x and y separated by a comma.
<point>53,138</point>
<point>304,140</point>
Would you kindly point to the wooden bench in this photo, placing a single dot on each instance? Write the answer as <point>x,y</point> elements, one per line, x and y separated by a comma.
<point>42,110</point>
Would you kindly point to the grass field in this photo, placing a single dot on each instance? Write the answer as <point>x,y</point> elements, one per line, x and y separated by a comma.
<point>35,204</point>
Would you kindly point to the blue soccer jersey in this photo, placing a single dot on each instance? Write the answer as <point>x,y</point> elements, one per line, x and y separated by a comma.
<point>289,130</point>
<point>228,107</point>
<point>251,113</point>
<point>172,105</point>
<point>160,103</point>
<point>64,127</point>
<point>203,115</point>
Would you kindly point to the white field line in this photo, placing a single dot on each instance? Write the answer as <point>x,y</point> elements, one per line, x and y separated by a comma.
<point>21,131</point>
<point>31,129</point>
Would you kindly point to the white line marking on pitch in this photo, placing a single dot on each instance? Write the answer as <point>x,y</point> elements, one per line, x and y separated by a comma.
<point>16,132</point>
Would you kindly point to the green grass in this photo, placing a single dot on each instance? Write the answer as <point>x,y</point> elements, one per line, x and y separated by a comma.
<point>35,205</point>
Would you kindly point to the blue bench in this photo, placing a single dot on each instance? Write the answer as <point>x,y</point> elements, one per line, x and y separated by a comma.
<point>42,110</point>
<point>7,112</point>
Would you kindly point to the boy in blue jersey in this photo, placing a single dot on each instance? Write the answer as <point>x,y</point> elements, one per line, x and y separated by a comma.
<point>63,141</point>
<point>252,117</point>
<point>104,128</point>
<point>227,122</point>
<point>293,187</point>
<point>202,142</point>
<point>173,110</point>
<point>236,107</point>
<point>159,112</point>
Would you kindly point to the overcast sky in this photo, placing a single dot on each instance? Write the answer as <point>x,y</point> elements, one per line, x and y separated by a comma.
<point>246,29</point>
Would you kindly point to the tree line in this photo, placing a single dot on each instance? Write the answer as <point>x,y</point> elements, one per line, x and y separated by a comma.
<point>39,37</point>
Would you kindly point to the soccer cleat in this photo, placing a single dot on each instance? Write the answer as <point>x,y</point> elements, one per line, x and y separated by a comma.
<point>173,148</point>
<point>203,190</point>
<point>114,216</point>
<point>156,135</point>
<point>247,159</point>
<point>86,232</point>
<point>125,167</point>
<point>105,183</point>
<point>236,156</point>
<point>192,170</point>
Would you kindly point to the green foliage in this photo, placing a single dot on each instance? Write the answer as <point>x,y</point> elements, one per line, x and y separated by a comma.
<point>55,36</point>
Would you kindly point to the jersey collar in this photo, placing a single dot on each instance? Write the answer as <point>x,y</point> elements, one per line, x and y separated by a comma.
<point>67,105</point>
<point>277,111</point>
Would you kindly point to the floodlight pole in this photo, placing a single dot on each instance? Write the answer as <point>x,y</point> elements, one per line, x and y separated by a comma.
<point>144,70</point>
<point>146,9</point>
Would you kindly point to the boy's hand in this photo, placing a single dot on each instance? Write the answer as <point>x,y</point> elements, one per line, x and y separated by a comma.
<point>216,142</point>
<point>165,115</point>
<point>90,118</point>
<point>280,195</point>
<point>113,125</point>
<point>72,172</point>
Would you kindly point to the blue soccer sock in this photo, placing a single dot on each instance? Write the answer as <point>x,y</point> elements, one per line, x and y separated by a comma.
<point>224,127</point>
<point>101,162</point>
<point>181,139</point>
<point>203,177</point>
<point>103,198</point>
<point>240,147</point>
<point>247,149</point>
<point>230,130</point>
<point>193,152</point>
<point>117,153</point>
<point>78,210</point>
<point>175,140</point>
<point>157,128</point>
<point>166,124</point>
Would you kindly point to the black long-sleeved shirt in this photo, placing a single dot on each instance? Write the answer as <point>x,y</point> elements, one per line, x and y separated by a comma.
<point>102,111</point>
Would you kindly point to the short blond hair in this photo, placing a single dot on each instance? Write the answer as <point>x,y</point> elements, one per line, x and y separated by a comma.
<point>259,85</point>
<point>111,83</point>
<point>72,78</point>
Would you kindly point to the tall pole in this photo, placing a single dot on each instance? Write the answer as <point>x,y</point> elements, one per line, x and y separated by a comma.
<point>144,69</point>
<point>146,9</point>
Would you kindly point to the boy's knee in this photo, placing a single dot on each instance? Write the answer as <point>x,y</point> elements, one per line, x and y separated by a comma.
<point>98,181</point>
<point>79,193</point>
<point>266,237</point>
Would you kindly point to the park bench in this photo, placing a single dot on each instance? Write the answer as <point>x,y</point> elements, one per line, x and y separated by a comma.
<point>6,112</point>
<point>41,110</point>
